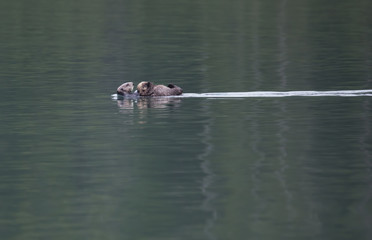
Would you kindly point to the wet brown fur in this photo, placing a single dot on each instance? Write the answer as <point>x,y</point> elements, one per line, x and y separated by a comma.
<point>150,89</point>
<point>125,88</point>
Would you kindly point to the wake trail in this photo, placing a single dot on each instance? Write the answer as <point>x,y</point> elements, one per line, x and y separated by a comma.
<point>266,94</point>
<point>341,93</point>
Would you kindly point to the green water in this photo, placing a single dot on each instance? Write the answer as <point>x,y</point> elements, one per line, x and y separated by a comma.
<point>76,164</point>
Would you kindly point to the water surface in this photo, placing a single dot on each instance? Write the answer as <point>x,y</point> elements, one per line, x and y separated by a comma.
<point>270,163</point>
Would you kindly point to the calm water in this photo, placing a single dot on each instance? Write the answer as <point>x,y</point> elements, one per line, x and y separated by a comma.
<point>76,164</point>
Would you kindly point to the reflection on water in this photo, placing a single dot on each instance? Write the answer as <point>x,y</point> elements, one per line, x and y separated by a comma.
<point>147,102</point>
<point>208,180</point>
<point>365,147</point>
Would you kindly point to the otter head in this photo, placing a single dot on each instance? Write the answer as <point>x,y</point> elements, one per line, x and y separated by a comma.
<point>145,88</point>
<point>125,88</point>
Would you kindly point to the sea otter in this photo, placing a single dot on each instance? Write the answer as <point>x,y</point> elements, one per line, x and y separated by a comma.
<point>150,89</point>
<point>126,90</point>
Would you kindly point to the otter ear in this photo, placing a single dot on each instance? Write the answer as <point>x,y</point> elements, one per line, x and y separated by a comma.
<point>149,84</point>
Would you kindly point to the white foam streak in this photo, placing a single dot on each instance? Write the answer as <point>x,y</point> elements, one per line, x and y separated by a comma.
<point>342,93</point>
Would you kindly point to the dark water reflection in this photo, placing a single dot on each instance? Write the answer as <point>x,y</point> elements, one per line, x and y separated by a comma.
<point>76,164</point>
<point>188,168</point>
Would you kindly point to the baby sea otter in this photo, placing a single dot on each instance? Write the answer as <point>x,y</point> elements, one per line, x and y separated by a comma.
<point>126,90</point>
